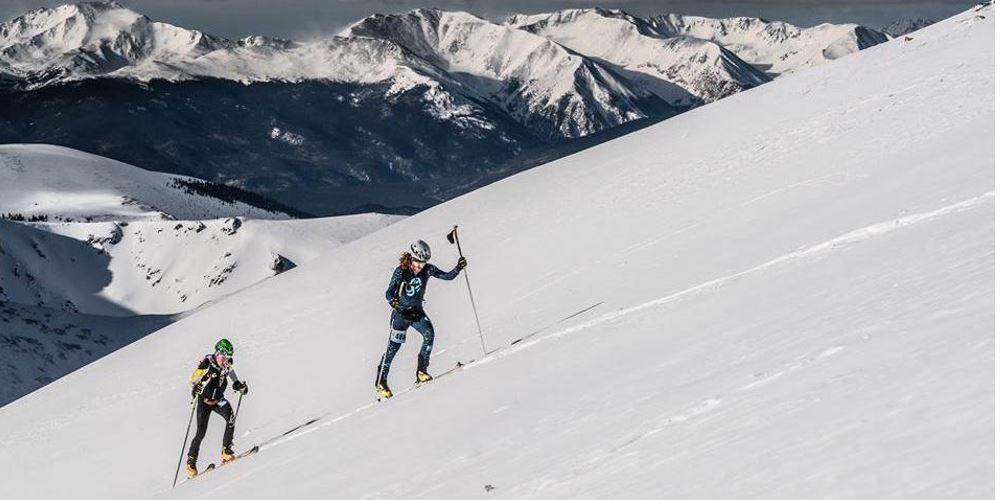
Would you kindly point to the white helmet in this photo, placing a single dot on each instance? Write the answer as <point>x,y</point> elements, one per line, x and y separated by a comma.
<point>421,250</point>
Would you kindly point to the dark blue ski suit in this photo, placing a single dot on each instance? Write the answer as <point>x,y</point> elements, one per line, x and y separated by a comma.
<point>409,288</point>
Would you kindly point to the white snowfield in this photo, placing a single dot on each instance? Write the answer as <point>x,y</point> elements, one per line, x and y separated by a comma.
<point>785,294</point>
<point>64,183</point>
<point>166,267</point>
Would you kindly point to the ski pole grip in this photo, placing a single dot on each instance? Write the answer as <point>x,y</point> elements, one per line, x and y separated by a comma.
<point>457,241</point>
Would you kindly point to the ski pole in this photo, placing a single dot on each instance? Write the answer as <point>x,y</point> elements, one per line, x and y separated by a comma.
<point>453,238</point>
<point>180,459</point>
<point>238,404</point>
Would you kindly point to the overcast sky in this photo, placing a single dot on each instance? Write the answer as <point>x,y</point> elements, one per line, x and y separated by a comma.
<point>300,19</point>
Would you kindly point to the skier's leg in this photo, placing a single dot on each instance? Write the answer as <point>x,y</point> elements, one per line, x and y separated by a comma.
<point>225,410</point>
<point>390,352</point>
<point>426,329</point>
<point>202,425</point>
<point>397,335</point>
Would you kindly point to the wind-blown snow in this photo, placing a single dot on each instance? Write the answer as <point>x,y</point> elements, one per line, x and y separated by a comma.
<point>785,294</point>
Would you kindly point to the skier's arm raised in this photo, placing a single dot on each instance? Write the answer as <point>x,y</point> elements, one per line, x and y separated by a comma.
<point>447,276</point>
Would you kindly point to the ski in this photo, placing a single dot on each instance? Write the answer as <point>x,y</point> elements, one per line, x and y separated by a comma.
<point>212,466</point>
<point>206,469</point>
<point>458,366</point>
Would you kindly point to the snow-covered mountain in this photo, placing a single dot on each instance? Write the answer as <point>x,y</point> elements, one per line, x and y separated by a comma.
<point>350,123</point>
<point>775,47</point>
<point>73,291</point>
<point>90,39</point>
<point>166,267</point>
<point>786,294</point>
<point>529,76</point>
<point>684,71</point>
<point>59,183</point>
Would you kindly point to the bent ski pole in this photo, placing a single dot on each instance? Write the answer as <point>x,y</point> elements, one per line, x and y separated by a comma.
<point>177,471</point>
<point>453,238</point>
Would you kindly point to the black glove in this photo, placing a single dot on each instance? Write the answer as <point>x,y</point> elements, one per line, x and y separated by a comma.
<point>394,303</point>
<point>461,263</point>
<point>241,386</point>
<point>196,390</point>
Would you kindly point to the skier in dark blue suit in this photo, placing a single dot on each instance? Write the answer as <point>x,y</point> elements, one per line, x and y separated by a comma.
<point>406,297</point>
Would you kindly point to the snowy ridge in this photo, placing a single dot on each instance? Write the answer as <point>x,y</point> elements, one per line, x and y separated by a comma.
<point>776,47</point>
<point>90,40</point>
<point>681,70</point>
<point>167,267</point>
<point>65,184</point>
<point>525,74</point>
<point>786,294</point>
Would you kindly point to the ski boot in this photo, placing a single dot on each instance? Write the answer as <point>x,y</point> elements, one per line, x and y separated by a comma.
<point>423,377</point>
<point>383,391</point>
<point>228,455</point>
<point>191,466</point>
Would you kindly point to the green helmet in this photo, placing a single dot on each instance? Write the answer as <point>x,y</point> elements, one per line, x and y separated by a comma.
<point>224,346</point>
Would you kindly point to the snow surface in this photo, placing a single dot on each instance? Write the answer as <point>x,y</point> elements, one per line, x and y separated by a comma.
<point>66,184</point>
<point>794,304</point>
<point>166,267</point>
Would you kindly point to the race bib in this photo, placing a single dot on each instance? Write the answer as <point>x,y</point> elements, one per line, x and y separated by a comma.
<point>397,336</point>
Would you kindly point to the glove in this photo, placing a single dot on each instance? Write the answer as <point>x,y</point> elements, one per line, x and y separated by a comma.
<point>394,303</point>
<point>461,263</point>
<point>241,387</point>
<point>196,390</point>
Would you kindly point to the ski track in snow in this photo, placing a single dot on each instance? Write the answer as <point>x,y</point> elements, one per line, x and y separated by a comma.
<point>851,237</point>
<point>856,236</point>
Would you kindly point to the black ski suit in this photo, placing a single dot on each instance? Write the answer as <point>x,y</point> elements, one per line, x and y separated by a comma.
<point>213,381</point>
<point>408,289</point>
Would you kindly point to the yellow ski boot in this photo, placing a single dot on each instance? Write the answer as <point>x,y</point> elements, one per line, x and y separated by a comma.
<point>383,390</point>
<point>423,377</point>
<point>191,466</point>
<point>228,455</point>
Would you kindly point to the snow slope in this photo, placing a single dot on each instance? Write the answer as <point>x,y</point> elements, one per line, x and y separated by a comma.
<point>42,344</point>
<point>66,184</point>
<point>794,305</point>
<point>166,267</point>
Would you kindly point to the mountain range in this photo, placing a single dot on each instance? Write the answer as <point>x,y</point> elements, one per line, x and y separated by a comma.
<point>785,294</point>
<point>396,112</point>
